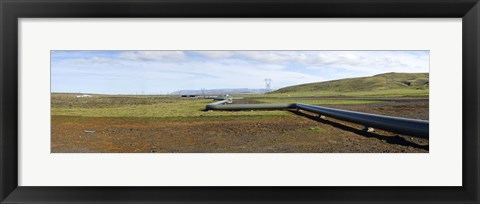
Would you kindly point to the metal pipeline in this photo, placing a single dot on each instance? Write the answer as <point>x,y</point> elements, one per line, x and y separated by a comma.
<point>222,102</point>
<point>407,126</point>
<point>237,107</point>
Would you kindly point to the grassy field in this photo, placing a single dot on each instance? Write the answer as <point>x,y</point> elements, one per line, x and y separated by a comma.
<point>168,107</point>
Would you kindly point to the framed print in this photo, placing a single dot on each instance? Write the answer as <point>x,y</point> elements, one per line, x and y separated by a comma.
<point>228,101</point>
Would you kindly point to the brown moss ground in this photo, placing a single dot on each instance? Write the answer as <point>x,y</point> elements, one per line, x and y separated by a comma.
<point>296,134</point>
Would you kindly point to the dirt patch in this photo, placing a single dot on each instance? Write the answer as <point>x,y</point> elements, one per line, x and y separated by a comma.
<point>294,134</point>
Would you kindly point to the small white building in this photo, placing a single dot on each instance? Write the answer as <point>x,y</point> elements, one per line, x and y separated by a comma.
<point>84,96</point>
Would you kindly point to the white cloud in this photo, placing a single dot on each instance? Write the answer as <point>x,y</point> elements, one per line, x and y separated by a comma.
<point>350,60</point>
<point>278,57</point>
<point>369,62</point>
<point>94,60</point>
<point>357,59</point>
<point>215,54</point>
<point>366,62</point>
<point>259,56</point>
<point>153,55</point>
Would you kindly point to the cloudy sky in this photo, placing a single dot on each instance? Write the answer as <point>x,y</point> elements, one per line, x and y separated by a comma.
<point>161,72</point>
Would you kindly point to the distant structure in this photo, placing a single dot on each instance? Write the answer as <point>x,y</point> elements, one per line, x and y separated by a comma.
<point>267,84</point>
<point>84,96</point>
<point>189,96</point>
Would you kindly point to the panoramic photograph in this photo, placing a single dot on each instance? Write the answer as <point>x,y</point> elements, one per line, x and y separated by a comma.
<point>239,101</point>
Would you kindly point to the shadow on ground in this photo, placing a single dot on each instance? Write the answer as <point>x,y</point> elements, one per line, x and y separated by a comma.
<point>397,140</point>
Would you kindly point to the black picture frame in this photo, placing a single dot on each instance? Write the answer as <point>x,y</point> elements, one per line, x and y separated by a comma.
<point>11,10</point>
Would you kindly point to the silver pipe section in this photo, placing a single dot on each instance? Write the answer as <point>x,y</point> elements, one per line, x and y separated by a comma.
<point>407,126</point>
<point>222,102</point>
<point>237,107</point>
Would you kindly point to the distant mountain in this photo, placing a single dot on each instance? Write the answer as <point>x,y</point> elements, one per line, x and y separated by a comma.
<point>220,91</point>
<point>387,81</point>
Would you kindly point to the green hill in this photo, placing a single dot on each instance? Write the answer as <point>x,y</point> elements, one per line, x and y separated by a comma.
<point>381,85</point>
